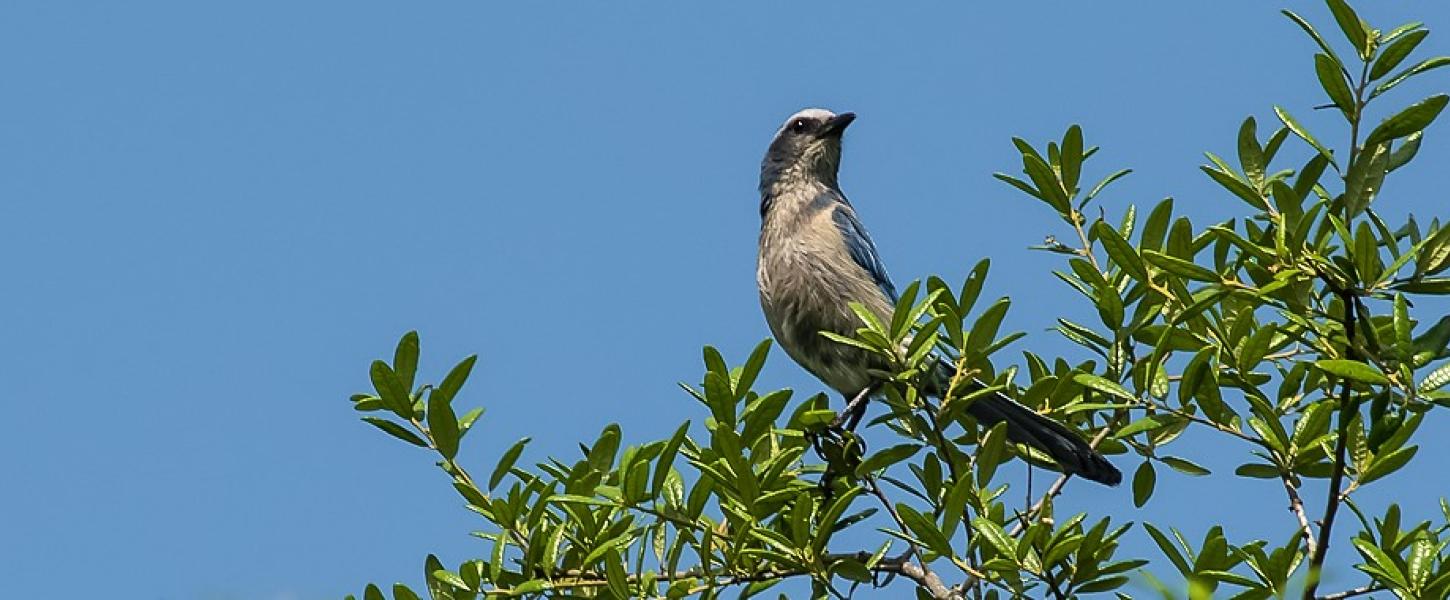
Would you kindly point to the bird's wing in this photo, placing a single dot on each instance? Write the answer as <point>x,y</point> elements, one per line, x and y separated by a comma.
<point>861,248</point>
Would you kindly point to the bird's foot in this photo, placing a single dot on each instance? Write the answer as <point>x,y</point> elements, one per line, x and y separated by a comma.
<point>851,415</point>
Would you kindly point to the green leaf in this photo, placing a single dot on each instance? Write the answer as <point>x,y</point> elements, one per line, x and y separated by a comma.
<point>1380,560</point>
<point>886,458</point>
<point>1304,134</point>
<point>1251,156</point>
<point>466,422</point>
<point>401,592</point>
<point>1365,177</point>
<point>1180,267</point>
<point>900,321</point>
<point>602,453</point>
<point>1402,325</point>
<point>436,589</point>
<point>1110,306</point>
<point>1019,184</point>
<point>990,450</point>
<point>506,462</point>
<point>1243,190</point>
<point>1433,342</point>
<point>1410,120</point>
<point>1421,67</point>
<point>833,515</point>
<point>667,459</point>
<point>1121,251</point>
<point>954,507</point>
<point>1358,34</point>
<point>532,586</point>
<point>1047,184</point>
<point>1257,471</point>
<point>1406,151</point>
<point>1185,466</point>
<point>763,413</point>
<point>396,431</point>
<point>1148,423</point>
<point>395,396</point>
<point>456,378</point>
<point>841,339</point>
<point>972,286</point>
<point>870,319</point>
<point>1169,550</point>
<point>1332,80</point>
<point>1436,379</point>
<point>1352,370</point>
<point>817,418</point>
<point>1314,35</point>
<point>405,359</point>
<point>752,368</point>
<point>1255,347</point>
<point>577,499</point>
<point>925,529</point>
<point>984,331</point>
<point>1395,53</point>
<point>1097,189</point>
<point>1428,285</point>
<point>1143,482</point>
<point>1103,385</point>
<point>1395,33</point>
<point>714,362</point>
<point>615,575</point>
<point>1230,577</point>
<point>450,578</point>
<point>1071,157</point>
<point>996,537</point>
<point>442,425</point>
<point>1156,225</point>
<point>1387,464</point>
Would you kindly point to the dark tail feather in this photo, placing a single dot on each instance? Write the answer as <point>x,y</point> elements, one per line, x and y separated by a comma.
<point>1064,445</point>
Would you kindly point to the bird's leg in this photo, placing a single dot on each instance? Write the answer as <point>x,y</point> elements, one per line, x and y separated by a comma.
<point>842,432</point>
<point>855,409</point>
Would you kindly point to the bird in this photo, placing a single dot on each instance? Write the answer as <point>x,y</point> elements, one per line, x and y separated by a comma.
<point>816,258</point>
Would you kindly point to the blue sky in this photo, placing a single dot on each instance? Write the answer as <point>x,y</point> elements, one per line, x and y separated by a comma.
<point>212,218</point>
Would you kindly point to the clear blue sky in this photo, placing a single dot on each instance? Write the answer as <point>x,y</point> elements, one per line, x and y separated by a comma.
<point>213,217</point>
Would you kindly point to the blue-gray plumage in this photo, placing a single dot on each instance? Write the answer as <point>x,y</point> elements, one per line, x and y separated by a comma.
<point>816,258</point>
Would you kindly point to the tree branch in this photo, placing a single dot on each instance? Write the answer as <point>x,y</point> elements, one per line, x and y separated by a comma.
<point>579,578</point>
<point>1296,505</point>
<point>921,573</point>
<point>1359,591</point>
<point>1336,477</point>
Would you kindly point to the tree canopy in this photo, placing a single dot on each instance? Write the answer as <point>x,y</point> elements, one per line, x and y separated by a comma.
<point>1290,331</point>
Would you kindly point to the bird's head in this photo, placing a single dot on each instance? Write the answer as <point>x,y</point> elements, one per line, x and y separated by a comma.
<point>806,148</point>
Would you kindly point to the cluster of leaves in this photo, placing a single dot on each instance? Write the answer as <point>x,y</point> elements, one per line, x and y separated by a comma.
<point>744,505</point>
<point>1289,330</point>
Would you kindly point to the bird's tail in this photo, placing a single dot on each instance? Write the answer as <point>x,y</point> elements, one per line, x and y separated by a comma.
<point>1026,426</point>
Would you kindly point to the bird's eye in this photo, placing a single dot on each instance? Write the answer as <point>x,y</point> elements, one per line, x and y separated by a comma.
<point>799,126</point>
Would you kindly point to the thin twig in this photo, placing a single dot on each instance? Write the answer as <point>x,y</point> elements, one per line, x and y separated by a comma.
<point>924,575</point>
<point>1201,421</point>
<point>1087,247</point>
<point>1053,491</point>
<point>1359,591</point>
<point>1296,505</point>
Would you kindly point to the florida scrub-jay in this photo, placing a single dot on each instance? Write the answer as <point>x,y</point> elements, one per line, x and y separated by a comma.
<point>816,258</point>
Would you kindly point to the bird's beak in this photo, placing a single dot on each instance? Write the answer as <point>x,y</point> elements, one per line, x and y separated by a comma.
<point>837,124</point>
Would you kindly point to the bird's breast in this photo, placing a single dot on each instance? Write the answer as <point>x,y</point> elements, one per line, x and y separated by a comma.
<point>807,283</point>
